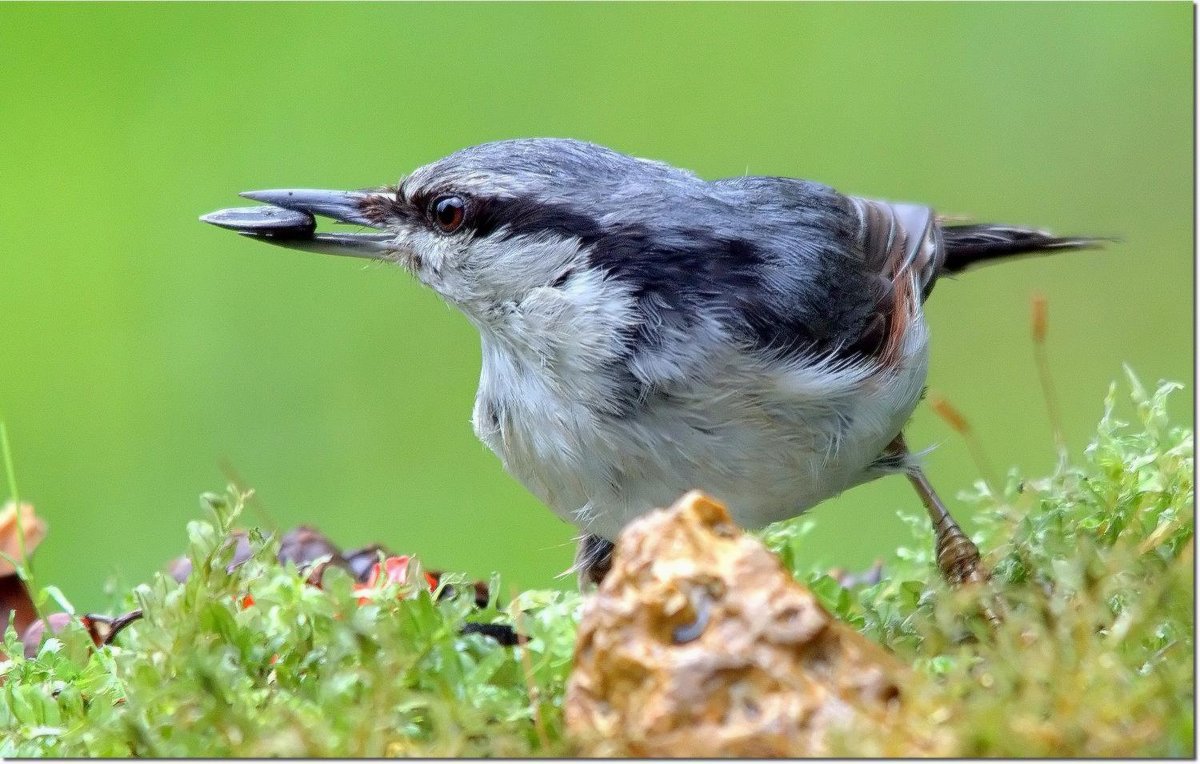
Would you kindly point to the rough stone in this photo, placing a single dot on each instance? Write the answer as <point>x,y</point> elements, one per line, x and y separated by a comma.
<point>699,643</point>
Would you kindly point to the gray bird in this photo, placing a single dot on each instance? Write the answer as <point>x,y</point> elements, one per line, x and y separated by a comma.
<point>646,332</point>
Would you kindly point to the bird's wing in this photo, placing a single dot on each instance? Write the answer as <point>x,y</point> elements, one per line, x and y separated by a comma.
<point>902,252</point>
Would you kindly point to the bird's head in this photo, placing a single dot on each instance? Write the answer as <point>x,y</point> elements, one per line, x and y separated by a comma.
<point>486,227</point>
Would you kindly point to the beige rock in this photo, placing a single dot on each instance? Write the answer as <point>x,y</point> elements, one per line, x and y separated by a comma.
<point>699,643</point>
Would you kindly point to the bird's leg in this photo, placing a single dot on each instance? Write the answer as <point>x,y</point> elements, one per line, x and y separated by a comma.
<point>957,556</point>
<point>593,559</point>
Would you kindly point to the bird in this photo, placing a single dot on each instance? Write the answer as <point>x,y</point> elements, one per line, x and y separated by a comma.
<point>645,332</point>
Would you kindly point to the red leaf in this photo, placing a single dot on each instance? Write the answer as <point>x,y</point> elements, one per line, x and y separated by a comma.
<point>394,570</point>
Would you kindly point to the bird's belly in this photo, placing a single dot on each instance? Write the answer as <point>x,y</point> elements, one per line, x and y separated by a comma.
<point>762,473</point>
<point>767,458</point>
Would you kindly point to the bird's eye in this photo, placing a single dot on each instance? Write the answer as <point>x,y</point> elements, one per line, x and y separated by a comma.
<point>448,213</point>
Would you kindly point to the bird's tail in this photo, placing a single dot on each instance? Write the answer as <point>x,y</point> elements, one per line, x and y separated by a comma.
<point>969,245</point>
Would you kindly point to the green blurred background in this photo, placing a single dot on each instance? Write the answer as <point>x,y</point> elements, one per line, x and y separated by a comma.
<point>141,348</point>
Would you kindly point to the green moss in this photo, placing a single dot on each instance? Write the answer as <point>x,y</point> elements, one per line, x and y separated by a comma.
<point>1093,567</point>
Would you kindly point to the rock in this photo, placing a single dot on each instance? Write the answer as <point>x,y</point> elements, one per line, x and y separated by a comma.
<point>33,636</point>
<point>699,643</point>
<point>360,561</point>
<point>181,567</point>
<point>304,543</point>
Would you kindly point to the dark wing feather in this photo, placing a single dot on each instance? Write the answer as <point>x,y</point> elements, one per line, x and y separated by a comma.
<point>901,253</point>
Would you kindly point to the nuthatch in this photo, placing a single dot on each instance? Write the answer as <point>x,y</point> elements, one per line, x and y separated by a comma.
<point>646,332</point>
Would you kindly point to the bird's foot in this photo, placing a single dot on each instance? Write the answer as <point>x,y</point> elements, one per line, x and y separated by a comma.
<point>957,556</point>
<point>961,564</point>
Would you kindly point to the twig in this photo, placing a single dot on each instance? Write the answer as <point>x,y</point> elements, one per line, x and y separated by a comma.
<point>114,625</point>
<point>953,417</point>
<point>1039,325</point>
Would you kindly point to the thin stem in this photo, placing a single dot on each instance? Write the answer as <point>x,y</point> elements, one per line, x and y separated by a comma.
<point>535,696</point>
<point>1040,325</point>
<point>953,417</point>
<point>255,503</point>
<point>11,476</point>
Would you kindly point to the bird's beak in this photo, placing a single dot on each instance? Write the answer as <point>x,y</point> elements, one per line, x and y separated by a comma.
<point>289,221</point>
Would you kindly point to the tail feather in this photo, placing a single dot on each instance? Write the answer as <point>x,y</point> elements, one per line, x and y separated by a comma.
<point>968,245</point>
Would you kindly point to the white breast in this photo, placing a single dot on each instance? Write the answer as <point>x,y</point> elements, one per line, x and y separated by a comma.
<point>769,441</point>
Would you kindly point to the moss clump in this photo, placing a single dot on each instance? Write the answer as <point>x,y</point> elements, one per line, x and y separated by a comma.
<point>1093,566</point>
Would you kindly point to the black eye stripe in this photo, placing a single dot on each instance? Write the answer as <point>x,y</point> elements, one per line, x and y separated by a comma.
<point>521,217</point>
